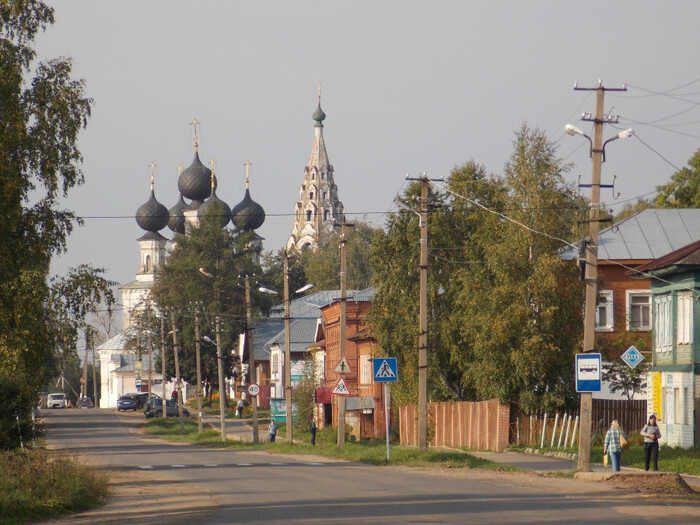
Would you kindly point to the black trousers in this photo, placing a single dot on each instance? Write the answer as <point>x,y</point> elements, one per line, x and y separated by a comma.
<point>651,454</point>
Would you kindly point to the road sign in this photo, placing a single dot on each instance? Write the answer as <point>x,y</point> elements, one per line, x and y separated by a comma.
<point>632,357</point>
<point>343,367</point>
<point>341,388</point>
<point>138,382</point>
<point>253,389</point>
<point>82,380</point>
<point>241,388</point>
<point>385,369</point>
<point>588,373</point>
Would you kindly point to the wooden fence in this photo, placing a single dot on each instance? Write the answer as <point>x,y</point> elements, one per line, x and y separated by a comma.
<point>479,425</point>
<point>632,415</point>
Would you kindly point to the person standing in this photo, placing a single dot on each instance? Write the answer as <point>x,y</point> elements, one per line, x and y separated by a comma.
<point>239,408</point>
<point>651,434</point>
<point>612,445</point>
<point>272,431</point>
<point>312,429</point>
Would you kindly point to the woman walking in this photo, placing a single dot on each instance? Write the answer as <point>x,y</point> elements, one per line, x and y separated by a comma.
<point>612,446</point>
<point>651,434</point>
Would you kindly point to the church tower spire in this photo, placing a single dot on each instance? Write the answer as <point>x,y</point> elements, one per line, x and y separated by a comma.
<point>318,207</point>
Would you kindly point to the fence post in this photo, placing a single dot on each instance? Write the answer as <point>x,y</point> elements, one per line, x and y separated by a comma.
<point>544,429</point>
<point>554,432</point>
<point>561,432</point>
<point>568,428</point>
<point>573,435</point>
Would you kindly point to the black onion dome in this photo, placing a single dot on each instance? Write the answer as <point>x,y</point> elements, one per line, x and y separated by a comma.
<point>195,181</point>
<point>248,215</point>
<point>152,216</point>
<point>215,208</point>
<point>176,221</point>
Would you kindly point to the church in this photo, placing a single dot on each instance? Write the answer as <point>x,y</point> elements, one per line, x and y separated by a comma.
<point>122,367</point>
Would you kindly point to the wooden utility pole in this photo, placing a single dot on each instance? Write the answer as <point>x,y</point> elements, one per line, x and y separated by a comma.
<point>150,352</point>
<point>198,389</point>
<point>162,356</point>
<point>591,273</point>
<point>251,357</point>
<point>178,384</point>
<point>287,356</point>
<point>423,338</point>
<point>343,325</point>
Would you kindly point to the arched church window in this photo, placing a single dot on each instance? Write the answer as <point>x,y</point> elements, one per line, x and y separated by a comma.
<point>147,266</point>
<point>308,215</point>
<point>325,215</point>
<point>325,195</point>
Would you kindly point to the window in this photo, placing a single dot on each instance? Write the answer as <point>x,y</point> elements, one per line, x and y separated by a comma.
<point>604,312</point>
<point>662,324</point>
<point>684,319</point>
<point>311,195</point>
<point>678,406</point>
<point>365,370</point>
<point>308,215</point>
<point>638,310</point>
<point>325,215</point>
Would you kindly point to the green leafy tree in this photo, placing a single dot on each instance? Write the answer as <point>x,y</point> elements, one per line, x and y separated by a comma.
<point>632,208</point>
<point>622,378</point>
<point>42,111</point>
<point>322,265</point>
<point>226,255</point>
<point>272,276</point>
<point>683,190</point>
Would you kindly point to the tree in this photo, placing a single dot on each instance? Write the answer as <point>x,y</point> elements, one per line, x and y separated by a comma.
<point>42,111</point>
<point>322,265</point>
<point>226,255</point>
<point>632,208</point>
<point>504,309</point>
<point>683,190</point>
<point>622,378</point>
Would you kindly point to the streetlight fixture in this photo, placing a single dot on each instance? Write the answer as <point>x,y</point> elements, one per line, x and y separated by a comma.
<point>573,130</point>
<point>287,350</point>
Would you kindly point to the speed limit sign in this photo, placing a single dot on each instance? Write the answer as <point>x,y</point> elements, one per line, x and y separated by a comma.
<point>253,389</point>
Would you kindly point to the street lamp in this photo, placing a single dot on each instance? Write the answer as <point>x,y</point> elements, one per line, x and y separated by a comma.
<point>573,130</point>
<point>222,379</point>
<point>287,359</point>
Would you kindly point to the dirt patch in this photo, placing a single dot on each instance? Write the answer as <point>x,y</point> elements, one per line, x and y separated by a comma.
<point>651,483</point>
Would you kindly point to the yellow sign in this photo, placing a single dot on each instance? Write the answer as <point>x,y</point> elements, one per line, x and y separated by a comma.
<point>656,406</point>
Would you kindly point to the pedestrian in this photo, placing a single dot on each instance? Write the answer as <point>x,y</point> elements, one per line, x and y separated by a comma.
<point>272,431</point>
<point>312,429</point>
<point>239,408</point>
<point>612,446</point>
<point>651,434</point>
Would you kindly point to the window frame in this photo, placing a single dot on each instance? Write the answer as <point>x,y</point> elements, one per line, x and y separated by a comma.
<point>638,293</point>
<point>663,340</point>
<point>609,304</point>
<point>684,319</point>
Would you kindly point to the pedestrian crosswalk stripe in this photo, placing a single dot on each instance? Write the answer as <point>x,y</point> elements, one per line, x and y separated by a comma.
<point>244,464</point>
<point>178,466</point>
<point>145,467</point>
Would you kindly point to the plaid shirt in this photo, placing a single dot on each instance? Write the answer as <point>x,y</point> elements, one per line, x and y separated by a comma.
<point>612,440</point>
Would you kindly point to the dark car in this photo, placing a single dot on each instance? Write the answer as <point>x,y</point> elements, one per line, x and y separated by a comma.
<point>154,408</point>
<point>84,402</point>
<point>134,401</point>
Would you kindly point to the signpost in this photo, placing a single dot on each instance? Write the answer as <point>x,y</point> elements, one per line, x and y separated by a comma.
<point>385,371</point>
<point>588,372</point>
<point>632,357</point>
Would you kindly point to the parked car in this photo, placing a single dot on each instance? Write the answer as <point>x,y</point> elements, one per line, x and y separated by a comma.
<point>133,401</point>
<point>84,402</point>
<point>57,401</point>
<point>154,408</point>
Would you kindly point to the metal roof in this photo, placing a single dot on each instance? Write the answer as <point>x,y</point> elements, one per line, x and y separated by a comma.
<point>649,234</point>
<point>118,342</point>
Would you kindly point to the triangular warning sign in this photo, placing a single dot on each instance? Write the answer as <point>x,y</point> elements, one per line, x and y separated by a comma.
<point>341,388</point>
<point>384,371</point>
<point>343,366</point>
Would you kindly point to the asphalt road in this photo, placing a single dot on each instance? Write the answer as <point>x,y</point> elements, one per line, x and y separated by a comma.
<point>258,487</point>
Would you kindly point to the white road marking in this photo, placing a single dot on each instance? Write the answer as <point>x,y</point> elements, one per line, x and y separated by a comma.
<point>178,466</point>
<point>276,463</point>
<point>145,467</point>
<point>244,464</point>
<point>212,465</point>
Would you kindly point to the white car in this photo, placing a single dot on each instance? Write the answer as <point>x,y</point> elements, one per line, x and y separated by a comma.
<point>56,401</point>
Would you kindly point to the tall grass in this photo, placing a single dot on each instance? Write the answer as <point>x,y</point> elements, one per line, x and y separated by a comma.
<point>36,485</point>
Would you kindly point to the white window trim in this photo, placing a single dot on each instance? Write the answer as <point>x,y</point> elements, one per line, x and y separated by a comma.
<point>606,299</point>
<point>684,319</point>
<point>366,375</point>
<point>662,324</point>
<point>630,294</point>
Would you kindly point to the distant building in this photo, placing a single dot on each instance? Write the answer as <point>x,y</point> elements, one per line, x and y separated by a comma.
<point>318,207</point>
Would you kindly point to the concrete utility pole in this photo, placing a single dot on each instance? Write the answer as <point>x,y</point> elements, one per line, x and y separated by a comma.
<point>343,325</point>
<point>591,274</point>
<point>222,380</point>
<point>162,357</point>
<point>83,386</point>
<point>150,353</point>
<point>198,389</point>
<point>251,357</point>
<point>423,339</point>
<point>287,353</point>
<point>178,384</point>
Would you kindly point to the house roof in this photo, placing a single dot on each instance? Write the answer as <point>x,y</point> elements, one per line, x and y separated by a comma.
<point>687,255</point>
<point>118,342</point>
<point>649,234</point>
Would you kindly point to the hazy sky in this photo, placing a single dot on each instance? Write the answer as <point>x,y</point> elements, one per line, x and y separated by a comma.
<point>408,87</point>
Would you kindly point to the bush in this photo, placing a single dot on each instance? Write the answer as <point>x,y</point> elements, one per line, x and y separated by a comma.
<point>18,400</point>
<point>38,485</point>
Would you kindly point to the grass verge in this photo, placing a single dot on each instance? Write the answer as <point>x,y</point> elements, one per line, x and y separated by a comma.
<point>373,452</point>
<point>38,485</point>
<point>671,459</point>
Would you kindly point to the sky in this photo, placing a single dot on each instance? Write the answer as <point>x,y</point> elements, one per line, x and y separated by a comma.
<point>408,87</point>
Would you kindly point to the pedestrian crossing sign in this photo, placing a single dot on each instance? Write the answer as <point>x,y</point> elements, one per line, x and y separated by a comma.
<point>341,388</point>
<point>385,369</point>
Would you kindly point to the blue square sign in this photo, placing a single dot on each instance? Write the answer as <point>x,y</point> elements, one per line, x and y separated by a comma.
<point>588,372</point>
<point>385,369</point>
